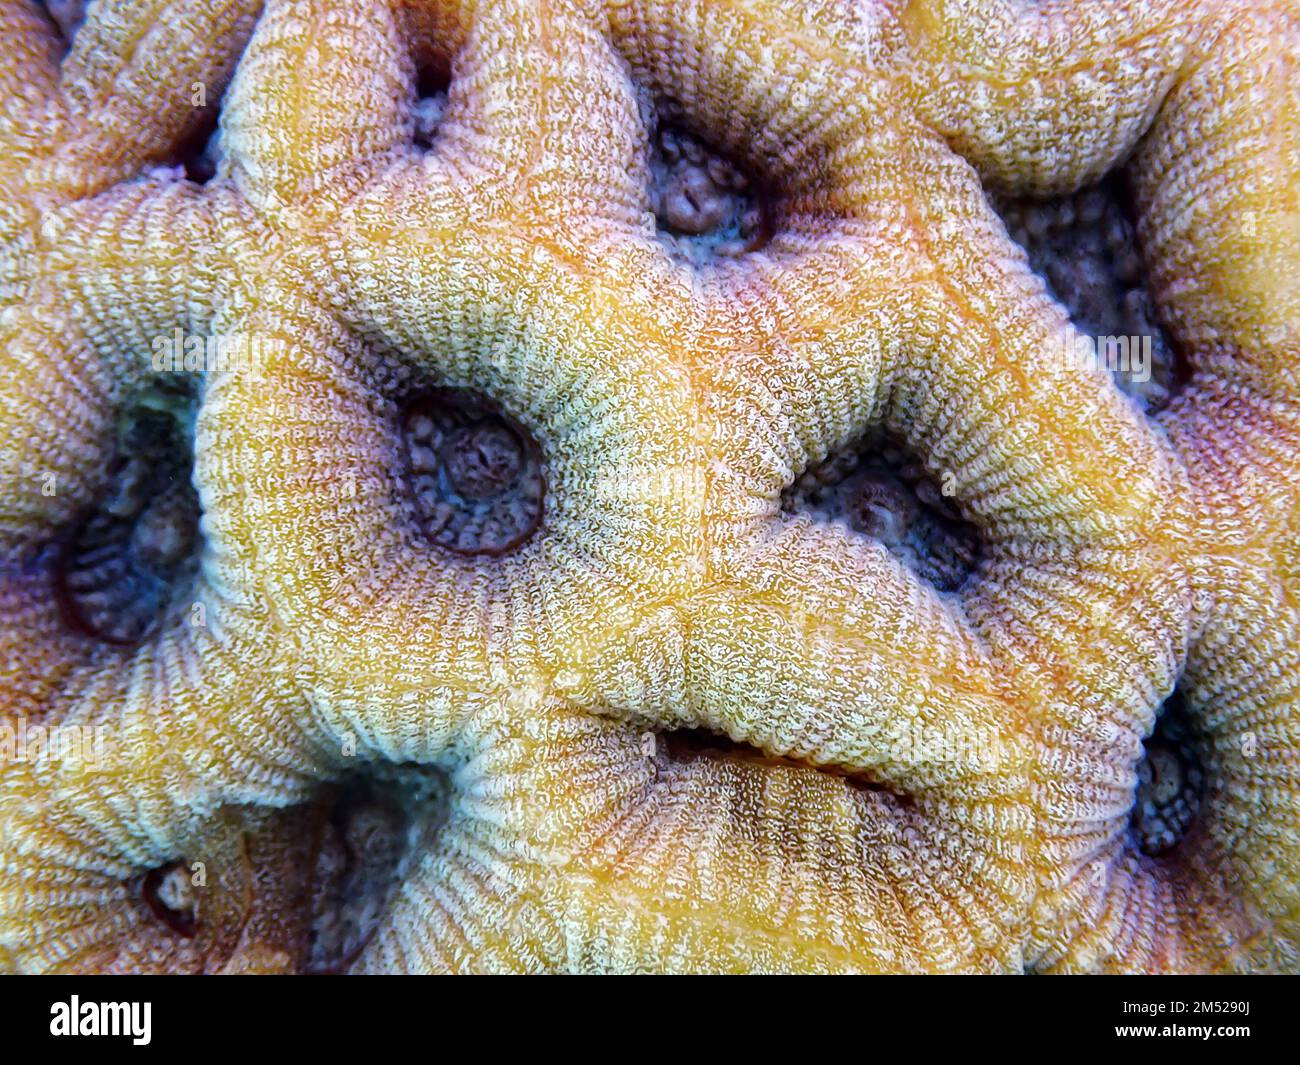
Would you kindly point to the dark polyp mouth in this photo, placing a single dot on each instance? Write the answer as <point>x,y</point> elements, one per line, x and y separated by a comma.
<point>1085,248</point>
<point>693,744</point>
<point>169,893</point>
<point>67,15</point>
<point>136,553</point>
<point>708,206</point>
<point>432,85</point>
<point>372,833</point>
<point>1171,781</point>
<point>879,490</point>
<point>475,475</point>
<point>198,152</point>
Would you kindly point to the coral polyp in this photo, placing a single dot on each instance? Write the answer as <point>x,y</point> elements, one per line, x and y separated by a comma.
<point>169,893</point>
<point>705,204</point>
<point>719,487</point>
<point>134,557</point>
<point>875,489</point>
<point>1084,248</point>
<point>1171,783</point>
<point>475,474</point>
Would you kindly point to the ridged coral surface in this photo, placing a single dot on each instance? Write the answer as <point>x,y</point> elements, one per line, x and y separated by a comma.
<point>654,528</point>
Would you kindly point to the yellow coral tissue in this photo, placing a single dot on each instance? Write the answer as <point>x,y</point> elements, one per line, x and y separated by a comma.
<point>649,486</point>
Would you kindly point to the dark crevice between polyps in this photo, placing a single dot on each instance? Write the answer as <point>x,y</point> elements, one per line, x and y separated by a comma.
<point>708,205</point>
<point>1084,246</point>
<point>692,744</point>
<point>878,489</point>
<point>475,477</point>
<point>1171,783</point>
<point>377,825</point>
<point>134,556</point>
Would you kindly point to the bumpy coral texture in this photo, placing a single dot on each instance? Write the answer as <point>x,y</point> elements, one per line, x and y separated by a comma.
<point>657,530</point>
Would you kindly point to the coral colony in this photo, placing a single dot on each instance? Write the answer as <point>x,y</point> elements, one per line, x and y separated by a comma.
<point>649,486</point>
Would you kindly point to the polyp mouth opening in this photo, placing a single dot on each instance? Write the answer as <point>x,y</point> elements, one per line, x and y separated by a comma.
<point>694,744</point>
<point>377,823</point>
<point>708,205</point>
<point>198,152</point>
<point>1171,782</point>
<point>474,475</point>
<point>67,16</point>
<point>432,89</point>
<point>1085,249</point>
<point>134,556</point>
<point>170,893</point>
<point>877,489</point>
